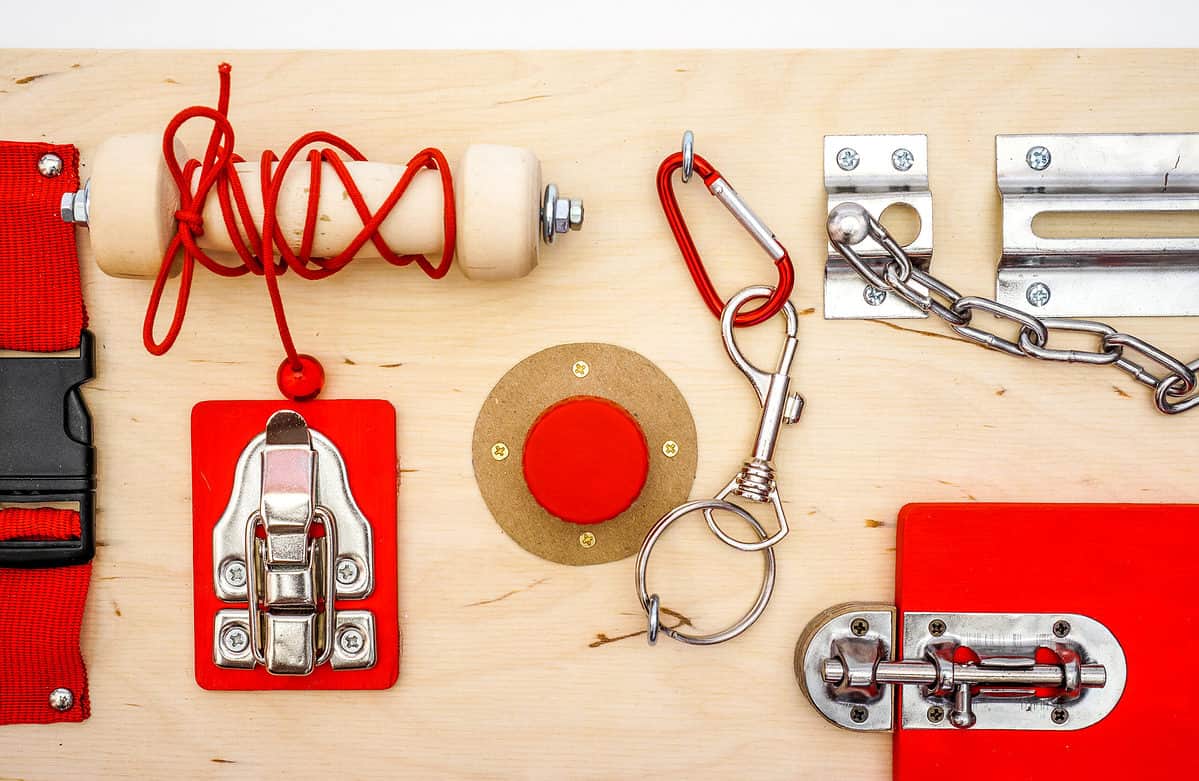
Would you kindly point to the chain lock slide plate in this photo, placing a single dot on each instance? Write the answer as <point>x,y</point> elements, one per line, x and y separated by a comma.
<point>876,171</point>
<point>1087,174</point>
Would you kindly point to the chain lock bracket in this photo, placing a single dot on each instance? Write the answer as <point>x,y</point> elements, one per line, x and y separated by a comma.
<point>1106,174</point>
<point>289,480</point>
<point>877,172</point>
<point>979,671</point>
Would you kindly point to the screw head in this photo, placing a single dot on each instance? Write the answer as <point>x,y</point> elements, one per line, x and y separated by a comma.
<point>235,639</point>
<point>936,714</point>
<point>848,159</point>
<point>351,640</point>
<point>234,573</point>
<point>873,296</point>
<point>1061,628</point>
<point>936,627</point>
<point>848,223</point>
<point>499,451</point>
<point>1059,715</point>
<point>1038,158</point>
<point>858,714</point>
<point>670,448</point>
<point>347,571</point>
<point>61,699</point>
<point>859,626</point>
<point>581,369</point>
<point>49,165</point>
<point>587,540</point>
<point>903,159</point>
<point>1038,294</point>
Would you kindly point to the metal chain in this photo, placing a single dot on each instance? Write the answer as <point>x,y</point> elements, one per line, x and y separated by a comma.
<point>1176,391</point>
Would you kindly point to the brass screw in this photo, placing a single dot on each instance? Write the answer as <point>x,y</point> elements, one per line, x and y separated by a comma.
<point>936,714</point>
<point>859,626</point>
<point>499,451</point>
<point>587,540</point>
<point>581,369</point>
<point>670,448</point>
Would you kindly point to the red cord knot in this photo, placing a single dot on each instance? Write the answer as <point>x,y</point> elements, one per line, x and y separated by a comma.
<point>262,248</point>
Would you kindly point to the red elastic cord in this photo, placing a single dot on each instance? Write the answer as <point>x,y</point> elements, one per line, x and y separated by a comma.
<point>256,245</point>
<point>678,226</point>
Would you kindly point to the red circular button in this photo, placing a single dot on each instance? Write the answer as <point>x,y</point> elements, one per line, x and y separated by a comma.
<point>585,459</point>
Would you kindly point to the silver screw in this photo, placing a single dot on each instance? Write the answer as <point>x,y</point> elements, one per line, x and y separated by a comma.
<point>859,626</point>
<point>49,165</point>
<point>1059,715</point>
<point>351,640</point>
<point>1038,158</point>
<point>234,573</point>
<point>347,571</point>
<point>936,714</point>
<point>62,699</point>
<point>858,714</point>
<point>235,639</point>
<point>1037,294</point>
<point>873,295</point>
<point>903,159</point>
<point>936,627</point>
<point>848,159</point>
<point>1061,628</point>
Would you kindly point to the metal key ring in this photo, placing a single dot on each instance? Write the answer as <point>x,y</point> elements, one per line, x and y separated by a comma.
<point>650,603</point>
<point>688,155</point>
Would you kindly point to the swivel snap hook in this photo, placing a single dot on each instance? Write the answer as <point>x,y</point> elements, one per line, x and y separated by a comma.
<point>756,480</point>
<point>689,162</point>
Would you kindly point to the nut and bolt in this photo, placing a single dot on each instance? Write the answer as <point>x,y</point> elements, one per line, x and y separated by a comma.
<point>61,699</point>
<point>351,641</point>
<point>858,714</point>
<point>499,451</point>
<point>873,296</point>
<point>1038,158</point>
<point>903,159</point>
<point>848,159</point>
<point>670,448</point>
<point>859,626</point>
<point>234,573</point>
<point>1037,294</point>
<point>347,571</point>
<point>49,165</point>
<point>936,627</point>
<point>1059,715</point>
<point>587,540</point>
<point>936,714</point>
<point>73,207</point>
<point>1061,628</point>
<point>559,214</point>
<point>235,639</point>
<point>581,369</point>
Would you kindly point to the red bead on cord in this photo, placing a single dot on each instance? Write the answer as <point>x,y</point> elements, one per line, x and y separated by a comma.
<point>300,377</point>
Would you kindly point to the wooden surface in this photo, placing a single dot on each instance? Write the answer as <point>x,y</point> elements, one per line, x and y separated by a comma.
<point>513,666</point>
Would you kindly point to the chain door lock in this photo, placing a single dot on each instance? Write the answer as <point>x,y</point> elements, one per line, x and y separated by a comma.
<point>293,577</point>
<point>877,172</point>
<point>1107,174</point>
<point>1001,671</point>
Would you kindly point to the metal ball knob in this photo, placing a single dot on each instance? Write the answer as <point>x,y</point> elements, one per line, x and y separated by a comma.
<point>848,223</point>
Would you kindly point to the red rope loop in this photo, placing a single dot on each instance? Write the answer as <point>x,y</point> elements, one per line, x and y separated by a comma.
<point>255,245</point>
<point>682,236</point>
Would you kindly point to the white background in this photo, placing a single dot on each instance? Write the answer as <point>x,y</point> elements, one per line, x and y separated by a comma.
<point>563,24</point>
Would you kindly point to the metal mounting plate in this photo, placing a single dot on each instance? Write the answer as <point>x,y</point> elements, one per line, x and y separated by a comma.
<point>874,171</point>
<point>1016,633</point>
<point>1149,172</point>
<point>816,644</point>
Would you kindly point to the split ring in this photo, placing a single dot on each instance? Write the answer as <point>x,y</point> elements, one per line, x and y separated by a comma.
<point>688,155</point>
<point>651,603</point>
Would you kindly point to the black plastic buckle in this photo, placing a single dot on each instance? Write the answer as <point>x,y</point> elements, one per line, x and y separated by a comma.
<point>46,452</point>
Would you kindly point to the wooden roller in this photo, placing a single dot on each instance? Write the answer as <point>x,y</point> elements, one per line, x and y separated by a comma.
<point>503,214</point>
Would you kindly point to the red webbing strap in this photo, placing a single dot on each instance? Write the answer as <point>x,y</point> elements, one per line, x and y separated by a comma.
<point>41,611</point>
<point>41,310</point>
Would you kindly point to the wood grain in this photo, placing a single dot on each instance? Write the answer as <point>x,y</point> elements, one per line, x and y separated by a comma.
<point>513,666</point>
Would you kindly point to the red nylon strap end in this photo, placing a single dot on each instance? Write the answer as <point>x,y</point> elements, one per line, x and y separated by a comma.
<point>42,676</point>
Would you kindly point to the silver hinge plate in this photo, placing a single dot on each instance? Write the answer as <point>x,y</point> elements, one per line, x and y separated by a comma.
<point>1103,173</point>
<point>847,664</point>
<point>876,171</point>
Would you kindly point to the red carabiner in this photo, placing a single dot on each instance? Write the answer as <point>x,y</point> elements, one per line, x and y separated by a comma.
<point>733,202</point>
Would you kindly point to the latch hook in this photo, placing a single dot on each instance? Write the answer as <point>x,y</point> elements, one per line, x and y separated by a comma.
<point>724,192</point>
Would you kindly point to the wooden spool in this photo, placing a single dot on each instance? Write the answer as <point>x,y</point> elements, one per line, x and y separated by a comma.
<point>497,193</point>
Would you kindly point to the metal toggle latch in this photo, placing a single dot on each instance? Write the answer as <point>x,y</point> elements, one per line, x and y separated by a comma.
<point>1011,671</point>
<point>291,578</point>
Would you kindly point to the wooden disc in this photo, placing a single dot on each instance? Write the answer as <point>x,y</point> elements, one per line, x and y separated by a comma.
<point>563,372</point>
